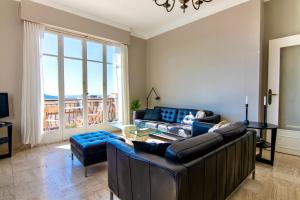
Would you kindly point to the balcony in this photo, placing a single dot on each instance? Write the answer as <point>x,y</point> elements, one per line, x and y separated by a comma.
<point>74,112</point>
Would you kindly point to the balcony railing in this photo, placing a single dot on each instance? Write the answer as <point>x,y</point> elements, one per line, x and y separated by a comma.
<point>73,112</point>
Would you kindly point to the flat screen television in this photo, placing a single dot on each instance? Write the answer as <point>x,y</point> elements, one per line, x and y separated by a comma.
<point>4,108</point>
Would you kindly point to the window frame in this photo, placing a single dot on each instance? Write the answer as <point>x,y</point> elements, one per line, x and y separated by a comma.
<point>61,79</point>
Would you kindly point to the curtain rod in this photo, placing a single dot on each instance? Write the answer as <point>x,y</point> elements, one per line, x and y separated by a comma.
<point>82,35</point>
<point>78,34</point>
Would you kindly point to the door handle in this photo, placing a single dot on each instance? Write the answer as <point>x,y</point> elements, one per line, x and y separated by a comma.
<point>270,95</point>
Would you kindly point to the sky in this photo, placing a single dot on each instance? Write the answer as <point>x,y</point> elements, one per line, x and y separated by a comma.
<point>73,67</point>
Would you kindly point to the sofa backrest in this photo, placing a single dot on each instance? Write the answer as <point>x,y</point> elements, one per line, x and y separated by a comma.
<point>137,175</point>
<point>168,114</point>
<point>189,149</point>
<point>217,174</point>
<point>173,115</point>
<point>233,131</point>
<point>214,175</point>
<point>192,148</point>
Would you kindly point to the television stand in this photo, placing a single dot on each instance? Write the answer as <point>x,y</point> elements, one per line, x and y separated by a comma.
<point>6,140</point>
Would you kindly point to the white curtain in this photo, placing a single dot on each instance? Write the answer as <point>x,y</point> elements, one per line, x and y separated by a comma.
<point>125,85</point>
<point>32,90</point>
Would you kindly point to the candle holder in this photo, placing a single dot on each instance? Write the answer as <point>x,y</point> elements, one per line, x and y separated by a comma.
<point>246,121</point>
<point>265,116</point>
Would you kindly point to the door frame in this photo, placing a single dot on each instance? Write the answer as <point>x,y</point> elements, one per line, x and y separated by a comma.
<point>287,139</point>
<point>63,133</point>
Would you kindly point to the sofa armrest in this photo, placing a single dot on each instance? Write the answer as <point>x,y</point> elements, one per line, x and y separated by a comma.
<point>139,114</point>
<point>131,170</point>
<point>215,119</point>
<point>199,128</point>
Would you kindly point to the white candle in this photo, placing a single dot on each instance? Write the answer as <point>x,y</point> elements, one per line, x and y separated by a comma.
<point>246,99</point>
<point>265,100</point>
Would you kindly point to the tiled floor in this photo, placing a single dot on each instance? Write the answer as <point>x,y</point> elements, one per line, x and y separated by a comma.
<point>47,172</point>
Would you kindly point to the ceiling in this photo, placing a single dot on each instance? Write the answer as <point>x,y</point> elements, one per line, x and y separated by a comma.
<point>141,17</point>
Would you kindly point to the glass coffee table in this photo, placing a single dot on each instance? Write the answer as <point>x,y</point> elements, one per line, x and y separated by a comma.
<point>163,135</point>
<point>133,133</point>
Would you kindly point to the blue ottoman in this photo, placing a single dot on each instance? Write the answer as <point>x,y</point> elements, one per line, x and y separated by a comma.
<point>90,148</point>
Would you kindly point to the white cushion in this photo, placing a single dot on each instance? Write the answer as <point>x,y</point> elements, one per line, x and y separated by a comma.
<point>188,119</point>
<point>200,114</point>
<point>222,124</point>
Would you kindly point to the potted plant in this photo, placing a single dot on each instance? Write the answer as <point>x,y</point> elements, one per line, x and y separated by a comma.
<point>134,106</point>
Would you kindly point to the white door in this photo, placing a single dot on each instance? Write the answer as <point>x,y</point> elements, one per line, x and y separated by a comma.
<point>284,92</point>
<point>81,86</point>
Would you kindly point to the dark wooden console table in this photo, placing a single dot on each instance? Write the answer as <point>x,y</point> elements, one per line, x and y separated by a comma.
<point>7,139</point>
<point>261,143</point>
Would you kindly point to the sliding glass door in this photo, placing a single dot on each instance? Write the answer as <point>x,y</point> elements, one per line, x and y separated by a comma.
<point>113,76</point>
<point>82,85</point>
<point>95,115</point>
<point>73,83</point>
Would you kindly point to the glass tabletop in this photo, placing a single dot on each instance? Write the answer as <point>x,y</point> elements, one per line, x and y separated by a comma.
<point>133,132</point>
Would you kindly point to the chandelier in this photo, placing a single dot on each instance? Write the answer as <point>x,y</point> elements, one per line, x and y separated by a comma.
<point>169,4</point>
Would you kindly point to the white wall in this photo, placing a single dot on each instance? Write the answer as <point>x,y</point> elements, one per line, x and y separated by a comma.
<point>212,63</point>
<point>11,61</point>
<point>137,69</point>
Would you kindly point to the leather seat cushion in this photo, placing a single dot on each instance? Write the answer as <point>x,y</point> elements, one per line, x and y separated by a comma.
<point>189,149</point>
<point>164,127</point>
<point>91,143</point>
<point>181,130</point>
<point>176,129</point>
<point>232,131</point>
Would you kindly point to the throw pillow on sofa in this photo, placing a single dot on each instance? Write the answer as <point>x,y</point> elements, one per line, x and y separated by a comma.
<point>188,119</point>
<point>151,147</point>
<point>222,124</point>
<point>232,131</point>
<point>200,114</point>
<point>152,115</point>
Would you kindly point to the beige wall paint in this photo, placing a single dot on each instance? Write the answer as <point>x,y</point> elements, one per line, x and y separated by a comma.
<point>281,19</point>
<point>11,32</point>
<point>47,15</point>
<point>137,69</point>
<point>210,64</point>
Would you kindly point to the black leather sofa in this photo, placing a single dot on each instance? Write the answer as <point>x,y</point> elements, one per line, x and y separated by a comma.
<point>171,118</point>
<point>206,167</point>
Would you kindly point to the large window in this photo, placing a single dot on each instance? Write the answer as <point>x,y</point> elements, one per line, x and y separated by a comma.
<point>95,82</point>
<point>82,84</point>
<point>51,82</point>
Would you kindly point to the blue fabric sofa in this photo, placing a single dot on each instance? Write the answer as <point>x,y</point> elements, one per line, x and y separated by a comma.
<point>171,121</point>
